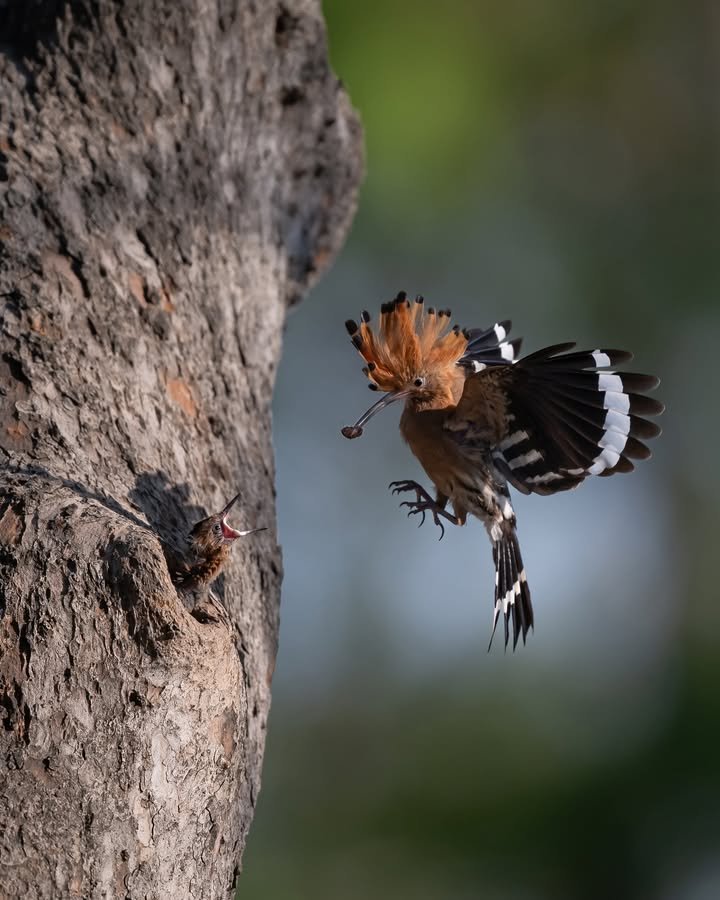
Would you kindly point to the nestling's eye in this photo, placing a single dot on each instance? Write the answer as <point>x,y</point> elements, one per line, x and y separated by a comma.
<point>419,382</point>
<point>217,528</point>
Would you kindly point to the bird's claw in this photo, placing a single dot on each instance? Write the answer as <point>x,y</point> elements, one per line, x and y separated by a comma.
<point>423,508</point>
<point>414,509</point>
<point>399,487</point>
<point>423,502</point>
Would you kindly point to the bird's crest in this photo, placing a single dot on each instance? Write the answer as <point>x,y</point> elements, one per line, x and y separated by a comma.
<point>410,340</point>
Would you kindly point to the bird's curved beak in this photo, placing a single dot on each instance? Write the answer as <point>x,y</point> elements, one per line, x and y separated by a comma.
<point>354,431</point>
<point>230,533</point>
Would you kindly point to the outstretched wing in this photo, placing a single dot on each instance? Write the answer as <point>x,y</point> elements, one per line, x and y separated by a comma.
<point>489,347</point>
<point>552,419</point>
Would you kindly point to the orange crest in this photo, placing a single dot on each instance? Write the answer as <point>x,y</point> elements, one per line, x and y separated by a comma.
<point>410,342</point>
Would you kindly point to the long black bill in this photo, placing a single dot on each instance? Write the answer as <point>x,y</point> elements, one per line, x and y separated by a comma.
<point>230,505</point>
<point>354,431</point>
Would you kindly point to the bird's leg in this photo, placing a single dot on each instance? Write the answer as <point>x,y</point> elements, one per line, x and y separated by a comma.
<point>424,503</point>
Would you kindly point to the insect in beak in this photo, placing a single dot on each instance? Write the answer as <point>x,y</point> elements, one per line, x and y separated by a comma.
<point>354,431</point>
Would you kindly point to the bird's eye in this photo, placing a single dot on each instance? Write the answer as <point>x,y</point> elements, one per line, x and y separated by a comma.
<point>419,382</point>
<point>217,528</point>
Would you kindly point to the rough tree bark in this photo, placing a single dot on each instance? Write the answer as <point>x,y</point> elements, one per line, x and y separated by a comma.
<point>173,174</point>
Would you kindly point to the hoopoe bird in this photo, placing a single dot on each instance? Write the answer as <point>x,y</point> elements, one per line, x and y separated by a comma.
<point>479,420</point>
<point>207,552</point>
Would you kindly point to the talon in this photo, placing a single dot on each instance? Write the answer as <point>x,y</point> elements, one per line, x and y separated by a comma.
<point>423,503</point>
<point>415,511</point>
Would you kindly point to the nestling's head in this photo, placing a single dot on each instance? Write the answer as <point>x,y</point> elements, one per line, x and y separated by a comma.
<point>214,533</point>
<point>413,357</point>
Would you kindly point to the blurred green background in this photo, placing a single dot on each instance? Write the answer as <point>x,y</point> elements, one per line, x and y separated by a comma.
<point>558,163</point>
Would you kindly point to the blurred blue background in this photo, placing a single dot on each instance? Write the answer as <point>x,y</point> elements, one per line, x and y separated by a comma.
<point>556,163</point>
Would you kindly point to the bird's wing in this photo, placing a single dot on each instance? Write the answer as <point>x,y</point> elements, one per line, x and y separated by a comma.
<point>489,347</point>
<point>552,419</point>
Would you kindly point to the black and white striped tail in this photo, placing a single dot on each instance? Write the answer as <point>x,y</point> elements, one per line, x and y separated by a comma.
<point>489,347</point>
<point>512,594</point>
<point>566,421</point>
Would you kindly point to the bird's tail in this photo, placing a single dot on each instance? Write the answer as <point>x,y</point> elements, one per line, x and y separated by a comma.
<point>512,594</point>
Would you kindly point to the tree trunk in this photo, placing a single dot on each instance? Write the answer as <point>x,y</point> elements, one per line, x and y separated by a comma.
<point>173,174</point>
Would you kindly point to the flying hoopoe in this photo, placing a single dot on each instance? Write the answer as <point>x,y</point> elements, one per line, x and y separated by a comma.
<point>208,550</point>
<point>479,420</point>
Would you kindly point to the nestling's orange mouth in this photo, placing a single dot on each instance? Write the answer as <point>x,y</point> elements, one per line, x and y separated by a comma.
<point>229,533</point>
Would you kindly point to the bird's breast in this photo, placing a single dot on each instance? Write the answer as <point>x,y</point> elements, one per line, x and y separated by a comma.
<point>452,468</point>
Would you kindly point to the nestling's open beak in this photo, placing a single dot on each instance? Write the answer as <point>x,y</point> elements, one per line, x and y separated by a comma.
<point>229,533</point>
<point>354,431</point>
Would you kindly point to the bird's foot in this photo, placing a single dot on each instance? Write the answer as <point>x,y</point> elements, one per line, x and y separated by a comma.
<point>400,487</point>
<point>423,504</point>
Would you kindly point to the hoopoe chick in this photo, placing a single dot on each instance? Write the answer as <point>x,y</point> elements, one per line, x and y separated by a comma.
<point>480,421</point>
<point>208,550</point>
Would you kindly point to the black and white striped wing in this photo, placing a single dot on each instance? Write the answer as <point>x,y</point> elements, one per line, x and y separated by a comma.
<point>489,347</point>
<point>564,419</point>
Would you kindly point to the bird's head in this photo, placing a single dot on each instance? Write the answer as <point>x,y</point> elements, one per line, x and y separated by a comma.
<point>412,357</point>
<point>213,533</point>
